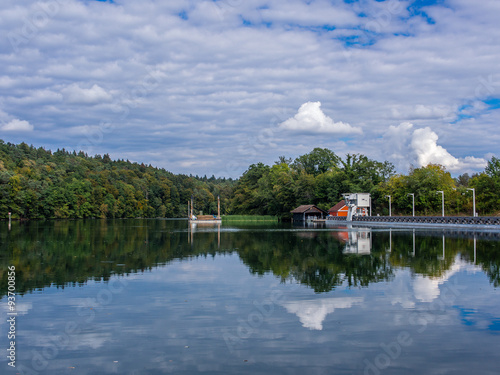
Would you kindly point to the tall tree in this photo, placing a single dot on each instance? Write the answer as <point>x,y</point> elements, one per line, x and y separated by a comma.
<point>319,160</point>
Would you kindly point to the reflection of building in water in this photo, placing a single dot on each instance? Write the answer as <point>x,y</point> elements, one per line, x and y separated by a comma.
<point>356,242</point>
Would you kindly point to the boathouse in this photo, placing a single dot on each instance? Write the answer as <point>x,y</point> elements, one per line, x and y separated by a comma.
<point>308,212</point>
<point>340,209</point>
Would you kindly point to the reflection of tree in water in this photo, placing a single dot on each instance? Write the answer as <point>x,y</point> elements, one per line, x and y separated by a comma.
<point>488,257</point>
<point>429,261</point>
<point>314,260</point>
<point>64,253</point>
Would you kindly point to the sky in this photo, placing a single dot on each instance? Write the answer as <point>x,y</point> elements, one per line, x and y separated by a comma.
<point>209,87</point>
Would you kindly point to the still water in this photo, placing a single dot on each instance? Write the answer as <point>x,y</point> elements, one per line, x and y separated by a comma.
<point>157,296</point>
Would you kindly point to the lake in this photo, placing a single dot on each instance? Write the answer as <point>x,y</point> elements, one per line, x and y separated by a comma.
<point>159,296</point>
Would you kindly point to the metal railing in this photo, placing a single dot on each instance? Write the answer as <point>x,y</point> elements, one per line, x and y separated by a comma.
<point>459,220</point>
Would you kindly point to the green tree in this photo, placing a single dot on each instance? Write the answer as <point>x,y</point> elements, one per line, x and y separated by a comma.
<point>319,160</point>
<point>245,197</point>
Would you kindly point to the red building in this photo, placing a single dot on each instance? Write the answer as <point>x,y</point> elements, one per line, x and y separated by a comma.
<point>340,209</point>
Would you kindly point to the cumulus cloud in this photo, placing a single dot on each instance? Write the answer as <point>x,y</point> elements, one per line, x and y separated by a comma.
<point>74,94</point>
<point>420,147</point>
<point>17,125</point>
<point>311,119</point>
<point>424,144</point>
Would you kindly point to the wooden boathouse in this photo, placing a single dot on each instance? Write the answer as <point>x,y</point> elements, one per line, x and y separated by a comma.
<point>308,212</point>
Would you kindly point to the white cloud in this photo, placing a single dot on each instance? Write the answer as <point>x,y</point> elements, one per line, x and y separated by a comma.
<point>74,94</point>
<point>17,125</point>
<point>420,147</point>
<point>424,145</point>
<point>311,119</point>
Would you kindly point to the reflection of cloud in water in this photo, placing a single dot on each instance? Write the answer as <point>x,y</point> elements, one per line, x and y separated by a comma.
<point>92,340</point>
<point>312,313</point>
<point>399,290</point>
<point>426,288</point>
<point>192,270</point>
<point>22,308</point>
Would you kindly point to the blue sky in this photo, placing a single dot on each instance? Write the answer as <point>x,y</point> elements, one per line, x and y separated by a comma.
<point>209,87</point>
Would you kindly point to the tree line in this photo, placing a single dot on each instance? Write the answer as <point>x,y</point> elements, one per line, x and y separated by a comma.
<point>321,177</point>
<point>40,184</point>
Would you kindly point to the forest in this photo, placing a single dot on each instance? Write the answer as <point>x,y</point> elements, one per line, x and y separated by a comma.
<point>39,184</point>
<point>36,183</point>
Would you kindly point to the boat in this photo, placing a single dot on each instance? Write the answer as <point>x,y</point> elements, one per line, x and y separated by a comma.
<point>204,219</point>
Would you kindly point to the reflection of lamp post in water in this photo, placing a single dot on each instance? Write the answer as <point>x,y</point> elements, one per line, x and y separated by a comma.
<point>413,242</point>
<point>442,258</point>
<point>474,248</point>
<point>390,240</point>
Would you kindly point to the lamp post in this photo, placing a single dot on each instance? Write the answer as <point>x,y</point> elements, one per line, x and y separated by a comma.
<point>388,196</point>
<point>413,203</point>
<point>473,201</point>
<point>442,199</point>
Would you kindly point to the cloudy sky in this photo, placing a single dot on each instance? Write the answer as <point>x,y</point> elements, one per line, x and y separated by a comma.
<point>208,87</point>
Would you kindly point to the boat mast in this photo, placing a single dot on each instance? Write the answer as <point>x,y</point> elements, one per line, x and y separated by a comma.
<point>191,207</point>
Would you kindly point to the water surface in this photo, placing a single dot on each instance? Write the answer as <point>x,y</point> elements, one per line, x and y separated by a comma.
<point>160,296</point>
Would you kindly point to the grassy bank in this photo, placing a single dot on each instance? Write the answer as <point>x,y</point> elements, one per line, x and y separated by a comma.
<point>252,218</point>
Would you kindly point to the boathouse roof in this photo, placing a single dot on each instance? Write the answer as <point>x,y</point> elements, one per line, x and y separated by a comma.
<point>307,208</point>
